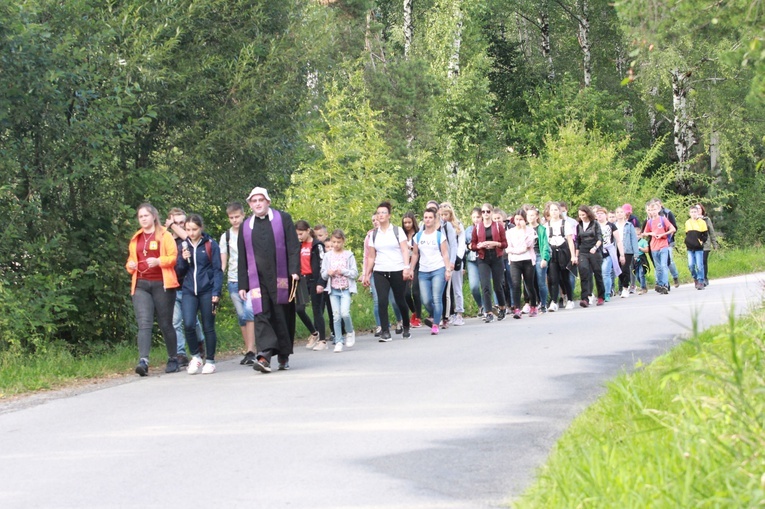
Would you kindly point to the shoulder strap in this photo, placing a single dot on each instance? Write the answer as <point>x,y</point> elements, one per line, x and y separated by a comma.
<point>418,236</point>
<point>228,239</point>
<point>208,249</point>
<point>374,235</point>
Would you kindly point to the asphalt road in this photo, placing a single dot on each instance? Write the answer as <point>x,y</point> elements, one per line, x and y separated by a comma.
<point>459,420</point>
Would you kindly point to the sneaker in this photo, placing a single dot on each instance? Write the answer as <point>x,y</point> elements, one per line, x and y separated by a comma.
<point>338,347</point>
<point>262,365</point>
<point>501,314</point>
<point>677,283</point>
<point>384,337</point>
<point>664,290</point>
<point>592,300</point>
<point>526,309</point>
<point>248,359</point>
<point>183,361</point>
<point>434,330</point>
<point>407,334</point>
<point>608,297</point>
<point>350,339</point>
<point>533,311</point>
<point>542,309</point>
<point>208,368</point>
<point>172,365</point>
<point>312,340</point>
<point>451,319</point>
<point>378,330</point>
<point>601,301</point>
<point>657,288</point>
<point>399,328</point>
<point>194,365</point>
<point>458,321</point>
<point>584,303</point>
<point>632,289</point>
<point>625,293</point>
<point>284,366</point>
<point>642,291</point>
<point>415,322</point>
<point>553,307</point>
<point>428,322</point>
<point>570,305</point>
<point>142,368</point>
<point>517,313</point>
<point>706,282</point>
<point>489,318</point>
<point>321,345</point>
<point>445,323</point>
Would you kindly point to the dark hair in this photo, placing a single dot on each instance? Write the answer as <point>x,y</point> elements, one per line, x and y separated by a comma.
<point>338,234</point>
<point>196,219</point>
<point>385,204</point>
<point>702,209</point>
<point>303,225</point>
<point>431,210</point>
<point>520,212</point>
<point>586,210</point>
<point>319,226</point>
<point>415,226</point>
<point>234,206</point>
<point>475,209</point>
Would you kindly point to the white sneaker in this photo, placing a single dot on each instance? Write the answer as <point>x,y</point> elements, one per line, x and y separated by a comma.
<point>526,309</point>
<point>208,368</point>
<point>625,293</point>
<point>194,365</point>
<point>570,305</point>
<point>338,347</point>
<point>553,307</point>
<point>593,300</point>
<point>458,320</point>
<point>350,339</point>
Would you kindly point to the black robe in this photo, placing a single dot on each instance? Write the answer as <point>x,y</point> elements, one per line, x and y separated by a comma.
<point>275,326</point>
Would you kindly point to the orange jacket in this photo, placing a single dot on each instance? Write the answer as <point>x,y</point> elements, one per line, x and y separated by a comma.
<point>168,255</point>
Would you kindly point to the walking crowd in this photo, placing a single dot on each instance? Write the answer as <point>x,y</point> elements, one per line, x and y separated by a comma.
<point>527,262</point>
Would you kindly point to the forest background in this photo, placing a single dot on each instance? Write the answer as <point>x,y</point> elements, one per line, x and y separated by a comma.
<point>335,105</point>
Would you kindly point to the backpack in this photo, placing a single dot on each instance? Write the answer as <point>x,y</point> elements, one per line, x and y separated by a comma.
<point>418,236</point>
<point>374,233</point>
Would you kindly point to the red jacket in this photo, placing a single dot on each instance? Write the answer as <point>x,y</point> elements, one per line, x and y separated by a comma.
<point>497,235</point>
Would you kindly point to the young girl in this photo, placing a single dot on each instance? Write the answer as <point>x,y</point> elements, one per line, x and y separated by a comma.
<point>456,282</point>
<point>199,261</point>
<point>520,253</point>
<point>340,271</point>
<point>311,255</point>
<point>432,253</point>
<point>561,240</point>
<point>542,254</point>
<point>413,299</point>
<point>489,242</point>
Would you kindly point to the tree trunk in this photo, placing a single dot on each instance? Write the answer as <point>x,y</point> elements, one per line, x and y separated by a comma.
<point>544,27</point>
<point>454,60</point>
<point>584,41</point>
<point>685,138</point>
<point>408,28</point>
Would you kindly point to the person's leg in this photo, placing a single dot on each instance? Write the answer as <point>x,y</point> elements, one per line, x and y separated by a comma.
<point>190,306</point>
<point>507,280</point>
<point>408,286</point>
<point>605,271</point>
<point>398,285</point>
<point>529,275</point>
<point>143,306</point>
<point>244,316</point>
<point>699,266</point>
<point>555,278</point>
<point>457,284</point>
<point>426,292</point>
<point>317,306</point>
<point>178,323</point>
<point>661,259</point>
<point>345,310</point>
<point>541,276</point>
<point>305,319</point>
<point>437,283</point>
<point>517,276</point>
<point>485,274</point>
<point>416,294</point>
<point>208,325</point>
<point>585,275</point>
<point>706,267</point>
<point>382,284</point>
<point>375,301</point>
<point>394,305</point>
<point>671,263</point>
<point>336,315</point>
<point>596,270</point>
<point>624,277</point>
<point>498,275</point>
<point>474,282</point>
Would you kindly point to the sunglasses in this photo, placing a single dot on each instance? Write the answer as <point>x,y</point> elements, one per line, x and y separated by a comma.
<point>486,211</point>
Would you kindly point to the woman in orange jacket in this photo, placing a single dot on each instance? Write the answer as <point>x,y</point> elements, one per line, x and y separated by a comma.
<point>152,256</point>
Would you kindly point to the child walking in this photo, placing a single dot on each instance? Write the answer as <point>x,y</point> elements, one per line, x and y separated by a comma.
<point>340,271</point>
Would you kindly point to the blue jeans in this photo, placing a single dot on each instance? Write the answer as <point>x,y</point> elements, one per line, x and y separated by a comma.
<point>431,289</point>
<point>341,312</point>
<point>202,304</point>
<point>660,259</point>
<point>243,314</point>
<point>474,282</point>
<point>641,276</point>
<point>671,262</point>
<point>606,268</point>
<point>375,300</point>
<point>541,281</point>
<point>696,265</point>
<point>178,324</point>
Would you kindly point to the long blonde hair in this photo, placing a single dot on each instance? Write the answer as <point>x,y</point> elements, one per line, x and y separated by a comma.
<point>455,222</point>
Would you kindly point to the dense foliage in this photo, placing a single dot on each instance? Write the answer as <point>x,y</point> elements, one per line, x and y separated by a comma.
<point>332,106</point>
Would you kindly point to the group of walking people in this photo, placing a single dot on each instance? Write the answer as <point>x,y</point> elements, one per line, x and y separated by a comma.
<point>524,263</point>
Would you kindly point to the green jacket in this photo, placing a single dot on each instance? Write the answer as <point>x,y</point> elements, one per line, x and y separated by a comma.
<point>544,244</point>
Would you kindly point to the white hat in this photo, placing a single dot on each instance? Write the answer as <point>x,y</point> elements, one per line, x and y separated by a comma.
<point>259,190</point>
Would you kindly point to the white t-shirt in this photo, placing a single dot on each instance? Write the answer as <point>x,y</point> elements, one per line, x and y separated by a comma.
<point>430,251</point>
<point>388,256</point>
<point>232,251</point>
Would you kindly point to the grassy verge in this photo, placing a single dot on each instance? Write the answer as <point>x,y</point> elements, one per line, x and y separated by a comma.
<point>686,431</point>
<point>58,366</point>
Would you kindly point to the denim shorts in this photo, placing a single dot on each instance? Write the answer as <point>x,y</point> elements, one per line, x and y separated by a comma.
<point>243,312</point>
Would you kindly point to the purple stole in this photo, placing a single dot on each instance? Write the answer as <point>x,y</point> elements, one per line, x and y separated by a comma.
<point>282,279</point>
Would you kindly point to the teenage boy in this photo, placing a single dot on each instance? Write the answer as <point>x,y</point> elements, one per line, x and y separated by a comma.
<point>659,229</point>
<point>229,258</point>
<point>695,235</point>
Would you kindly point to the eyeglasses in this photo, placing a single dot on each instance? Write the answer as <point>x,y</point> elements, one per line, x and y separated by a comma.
<point>486,212</point>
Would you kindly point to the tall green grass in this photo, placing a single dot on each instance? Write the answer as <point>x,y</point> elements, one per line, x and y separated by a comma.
<point>686,431</point>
